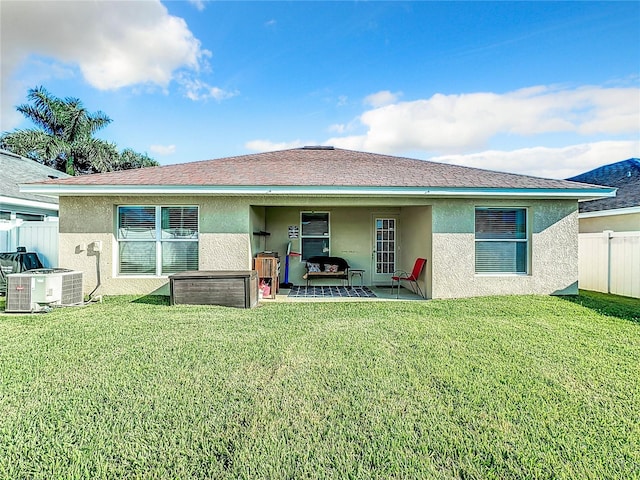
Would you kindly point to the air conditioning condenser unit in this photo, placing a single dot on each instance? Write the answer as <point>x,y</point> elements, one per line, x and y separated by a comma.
<point>31,290</point>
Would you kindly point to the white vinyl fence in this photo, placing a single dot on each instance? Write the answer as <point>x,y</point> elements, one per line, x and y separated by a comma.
<point>609,262</point>
<point>39,237</point>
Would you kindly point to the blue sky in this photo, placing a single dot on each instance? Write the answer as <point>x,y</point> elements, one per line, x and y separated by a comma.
<point>543,88</point>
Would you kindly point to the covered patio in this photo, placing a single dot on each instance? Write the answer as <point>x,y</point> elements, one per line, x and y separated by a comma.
<point>375,240</point>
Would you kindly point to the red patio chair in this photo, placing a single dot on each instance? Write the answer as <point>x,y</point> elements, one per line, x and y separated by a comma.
<point>413,278</point>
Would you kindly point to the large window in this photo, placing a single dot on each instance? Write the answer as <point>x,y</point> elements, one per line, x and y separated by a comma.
<point>157,240</point>
<point>502,240</point>
<point>314,234</point>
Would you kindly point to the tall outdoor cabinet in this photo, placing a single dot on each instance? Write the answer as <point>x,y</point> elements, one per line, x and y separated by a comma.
<point>268,267</point>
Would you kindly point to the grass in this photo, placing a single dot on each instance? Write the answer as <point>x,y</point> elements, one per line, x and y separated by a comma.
<point>499,387</point>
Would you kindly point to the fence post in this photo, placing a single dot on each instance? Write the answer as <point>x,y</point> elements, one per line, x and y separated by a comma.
<point>609,234</point>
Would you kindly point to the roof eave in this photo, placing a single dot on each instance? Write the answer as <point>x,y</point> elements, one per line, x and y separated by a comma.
<point>57,190</point>
<point>607,213</point>
<point>23,202</point>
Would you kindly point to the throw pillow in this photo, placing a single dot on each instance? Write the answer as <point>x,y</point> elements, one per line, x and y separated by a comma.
<point>313,267</point>
<point>331,268</point>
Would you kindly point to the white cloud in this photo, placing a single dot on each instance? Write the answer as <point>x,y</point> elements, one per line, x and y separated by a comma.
<point>269,146</point>
<point>163,149</point>
<point>199,4</point>
<point>197,90</point>
<point>547,162</point>
<point>113,44</point>
<point>451,126</point>
<point>382,98</point>
<point>352,142</point>
<point>466,122</point>
<point>343,129</point>
<point>338,128</point>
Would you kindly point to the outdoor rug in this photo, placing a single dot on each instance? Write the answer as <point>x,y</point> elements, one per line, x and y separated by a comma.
<point>329,291</point>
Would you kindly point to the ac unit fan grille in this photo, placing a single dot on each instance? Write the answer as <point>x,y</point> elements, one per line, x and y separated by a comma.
<point>72,289</point>
<point>18,294</point>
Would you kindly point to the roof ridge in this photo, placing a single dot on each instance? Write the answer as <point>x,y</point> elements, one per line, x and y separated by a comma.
<point>337,168</point>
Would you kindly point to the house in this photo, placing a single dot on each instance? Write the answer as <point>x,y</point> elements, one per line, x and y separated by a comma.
<point>17,207</point>
<point>483,232</point>
<point>620,213</point>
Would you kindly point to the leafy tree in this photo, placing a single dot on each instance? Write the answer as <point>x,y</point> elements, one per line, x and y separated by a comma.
<point>64,139</point>
<point>130,159</point>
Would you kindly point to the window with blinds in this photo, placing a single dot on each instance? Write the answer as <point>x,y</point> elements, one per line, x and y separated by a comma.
<point>155,240</point>
<point>502,240</point>
<point>314,234</point>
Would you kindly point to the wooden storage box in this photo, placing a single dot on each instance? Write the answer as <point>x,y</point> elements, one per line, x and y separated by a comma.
<point>226,288</point>
<point>268,268</point>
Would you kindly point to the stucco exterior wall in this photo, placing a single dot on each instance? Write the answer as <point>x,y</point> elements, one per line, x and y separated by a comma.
<point>553,250</point>
<point>415,241</point>
<point>257,224</point>
<point>226,234</point>
<point>618,223</point>
<point>224,244</point>
<point>439,229</point>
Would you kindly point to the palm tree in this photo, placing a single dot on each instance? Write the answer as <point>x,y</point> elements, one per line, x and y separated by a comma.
<point>64,139</point>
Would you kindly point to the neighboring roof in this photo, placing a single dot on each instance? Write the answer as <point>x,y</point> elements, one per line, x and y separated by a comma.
<point>624,175</point>
<point>17,170</point>
<point>309,170</point>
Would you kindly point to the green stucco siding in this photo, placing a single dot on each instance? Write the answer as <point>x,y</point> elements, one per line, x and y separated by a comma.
<point>553,250</point>
<point>224,244</point>
<point>441,230</point>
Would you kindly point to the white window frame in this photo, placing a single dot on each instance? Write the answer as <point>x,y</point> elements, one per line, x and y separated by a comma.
<point>327,236</point>
<point>157,238</point>
<point>525,240</point>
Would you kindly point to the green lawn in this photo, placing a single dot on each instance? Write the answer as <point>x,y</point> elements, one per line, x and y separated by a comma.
<point>501,387</point>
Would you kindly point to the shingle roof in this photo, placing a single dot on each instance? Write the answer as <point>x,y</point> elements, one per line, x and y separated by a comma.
<point>17,170</point>
<point>624,175</point>
<point>318,166</point>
